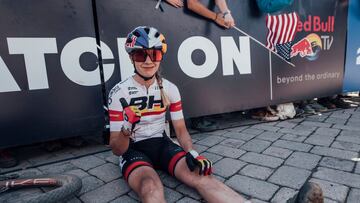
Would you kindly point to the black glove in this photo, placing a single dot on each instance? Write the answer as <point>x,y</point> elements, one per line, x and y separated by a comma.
<point>193,160</point>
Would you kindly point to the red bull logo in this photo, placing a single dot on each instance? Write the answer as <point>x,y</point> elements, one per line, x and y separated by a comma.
<point>308,47</point>
<point>303,47</point>
<point>315,24</point>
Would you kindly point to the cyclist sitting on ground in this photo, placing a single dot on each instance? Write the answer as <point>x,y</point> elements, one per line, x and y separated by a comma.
<point>137,108</point>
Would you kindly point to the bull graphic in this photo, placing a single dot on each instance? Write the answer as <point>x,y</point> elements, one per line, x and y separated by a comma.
<point>302,47</point>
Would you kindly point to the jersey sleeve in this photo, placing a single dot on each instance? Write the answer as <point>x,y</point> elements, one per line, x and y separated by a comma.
<point>115,109</point>
<point>176,112</point>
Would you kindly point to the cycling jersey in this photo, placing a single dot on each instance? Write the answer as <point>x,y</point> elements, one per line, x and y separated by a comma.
<point>148,100</point>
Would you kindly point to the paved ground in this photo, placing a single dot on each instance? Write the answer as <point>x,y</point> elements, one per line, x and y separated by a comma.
<point>266,162</point>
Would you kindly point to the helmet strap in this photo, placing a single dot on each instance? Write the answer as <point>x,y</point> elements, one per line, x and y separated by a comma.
<point>143,77</point>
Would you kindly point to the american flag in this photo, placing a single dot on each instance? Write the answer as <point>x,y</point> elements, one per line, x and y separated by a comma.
<point>282,30</point>
<point>284,50</point>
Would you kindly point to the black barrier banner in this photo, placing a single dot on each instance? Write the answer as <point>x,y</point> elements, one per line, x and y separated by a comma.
<point>50,84</point>
<point>319,53</point>
<point>221,70</point>
<point>49,79</point>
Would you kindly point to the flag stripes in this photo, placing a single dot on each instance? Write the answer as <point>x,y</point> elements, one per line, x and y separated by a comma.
<point>282,29</point>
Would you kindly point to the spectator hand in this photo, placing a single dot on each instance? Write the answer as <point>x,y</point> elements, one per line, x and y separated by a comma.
<point>229,20</point>
<point>193,160</point>
<point>221,21</point>
<point>176,3</point>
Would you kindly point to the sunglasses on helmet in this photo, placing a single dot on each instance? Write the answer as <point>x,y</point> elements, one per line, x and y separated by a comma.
<point>141,55</point>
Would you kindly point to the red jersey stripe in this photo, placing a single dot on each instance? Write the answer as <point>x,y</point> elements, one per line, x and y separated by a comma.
<point>116,115</point>
<point>175,106</point>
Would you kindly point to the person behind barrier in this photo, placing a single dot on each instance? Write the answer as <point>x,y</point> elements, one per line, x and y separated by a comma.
<point>137,109</point>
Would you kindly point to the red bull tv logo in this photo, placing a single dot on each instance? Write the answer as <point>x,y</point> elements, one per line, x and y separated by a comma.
<point>315,24</point>
<point>308,47</point>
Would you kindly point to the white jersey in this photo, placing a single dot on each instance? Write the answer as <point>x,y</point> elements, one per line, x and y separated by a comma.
<point>152,122</point>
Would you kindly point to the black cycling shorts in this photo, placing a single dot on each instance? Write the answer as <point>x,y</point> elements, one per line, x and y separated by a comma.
<point>158,153</point>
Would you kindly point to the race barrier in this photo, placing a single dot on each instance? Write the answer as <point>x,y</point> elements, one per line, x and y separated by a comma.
<point>352,65</point>
<point>49,80</point>
<point>220,70</point>
<point>53,80</point>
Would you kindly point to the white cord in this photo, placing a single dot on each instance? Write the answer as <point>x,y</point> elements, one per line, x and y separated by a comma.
<point>158,4</point>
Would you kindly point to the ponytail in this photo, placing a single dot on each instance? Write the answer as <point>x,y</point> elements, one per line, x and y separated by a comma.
<point>165,99</point>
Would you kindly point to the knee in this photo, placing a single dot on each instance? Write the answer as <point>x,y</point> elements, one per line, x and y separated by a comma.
<point>195,181</point>
<point>149,186</point>
<point>200,182</point>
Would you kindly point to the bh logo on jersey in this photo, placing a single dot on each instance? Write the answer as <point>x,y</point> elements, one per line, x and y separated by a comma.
<point>146,103</point>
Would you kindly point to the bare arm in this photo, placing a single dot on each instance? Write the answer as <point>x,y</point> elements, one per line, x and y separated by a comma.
<point>119,143</point>
<point>176,3</point>
<point>222,5</point>
<point>200,9</point>
<point>229,21</point>
<point>182,134</point>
